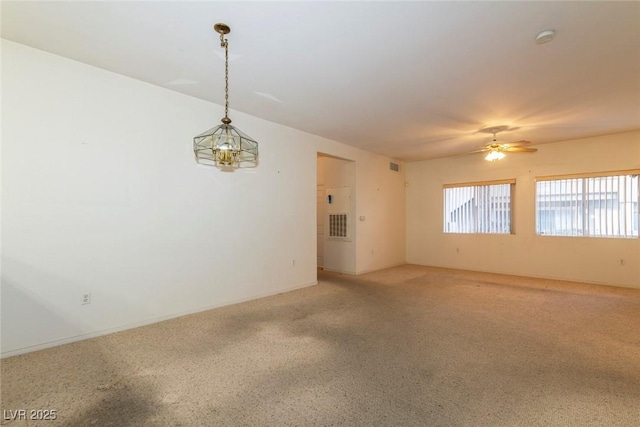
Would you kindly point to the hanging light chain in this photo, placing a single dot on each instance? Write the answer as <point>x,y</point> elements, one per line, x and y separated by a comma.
<point>225,44</point>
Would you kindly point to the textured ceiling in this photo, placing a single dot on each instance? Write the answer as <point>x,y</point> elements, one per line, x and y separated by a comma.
<point>411,80</point>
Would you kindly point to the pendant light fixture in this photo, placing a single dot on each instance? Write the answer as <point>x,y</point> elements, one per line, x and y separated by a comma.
<point>225,146</point>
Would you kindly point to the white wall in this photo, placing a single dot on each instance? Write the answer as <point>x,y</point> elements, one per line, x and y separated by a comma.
<point>381,199</point>
<point>593,260</point>
<point>100,194</point>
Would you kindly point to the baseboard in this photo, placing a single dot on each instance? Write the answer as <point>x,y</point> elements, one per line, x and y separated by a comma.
<point>357,273</point>
<point>351,273</point>
<point>134,325</point>
<point>533,276</point>
<point>380,268</point>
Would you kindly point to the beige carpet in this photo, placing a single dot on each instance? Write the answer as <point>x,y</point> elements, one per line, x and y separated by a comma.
<point>406,346</point>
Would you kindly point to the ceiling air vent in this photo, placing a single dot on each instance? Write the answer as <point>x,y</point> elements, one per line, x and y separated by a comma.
<point>394,166</point>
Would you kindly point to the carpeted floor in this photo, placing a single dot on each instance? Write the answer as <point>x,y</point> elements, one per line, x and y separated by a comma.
<point>406,346</point>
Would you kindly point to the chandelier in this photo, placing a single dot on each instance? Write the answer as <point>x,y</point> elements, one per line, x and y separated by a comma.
<point>224,145</point>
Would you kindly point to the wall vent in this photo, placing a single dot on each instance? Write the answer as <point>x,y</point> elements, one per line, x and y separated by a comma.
<point>394,166</point>
<point>338,225</point>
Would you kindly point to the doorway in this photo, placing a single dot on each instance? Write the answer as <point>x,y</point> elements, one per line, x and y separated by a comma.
<point>335,197</point>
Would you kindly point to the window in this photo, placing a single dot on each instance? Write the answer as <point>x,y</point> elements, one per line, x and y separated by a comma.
<point>596,205</point>
<point>483,207</point>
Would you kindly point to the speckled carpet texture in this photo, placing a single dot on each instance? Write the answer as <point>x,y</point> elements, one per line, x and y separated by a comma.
<point>405,346</point>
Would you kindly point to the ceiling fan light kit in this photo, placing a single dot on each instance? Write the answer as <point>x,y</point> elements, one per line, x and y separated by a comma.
<point>494,154</point>
<point>224,145</point>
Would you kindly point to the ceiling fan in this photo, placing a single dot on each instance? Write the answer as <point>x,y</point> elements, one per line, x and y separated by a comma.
<point>496,151</point>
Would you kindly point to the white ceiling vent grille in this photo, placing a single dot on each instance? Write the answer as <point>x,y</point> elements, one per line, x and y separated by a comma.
<point>338,226</point>
<point>394,166</point>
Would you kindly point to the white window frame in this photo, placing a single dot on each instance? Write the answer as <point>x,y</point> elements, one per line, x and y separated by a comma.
<point>597,204</point>
<point>477,213</point>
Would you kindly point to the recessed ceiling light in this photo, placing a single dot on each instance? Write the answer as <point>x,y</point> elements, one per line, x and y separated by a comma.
<point>545,36</point>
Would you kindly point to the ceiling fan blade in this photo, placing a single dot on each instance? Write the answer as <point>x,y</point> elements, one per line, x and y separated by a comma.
<point>519,150</point>
<point>517,143</point>
<point>480,150</point>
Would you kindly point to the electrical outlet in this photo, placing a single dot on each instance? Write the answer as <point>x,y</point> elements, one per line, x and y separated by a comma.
<point>86,298</point>
<point>621,261</point>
